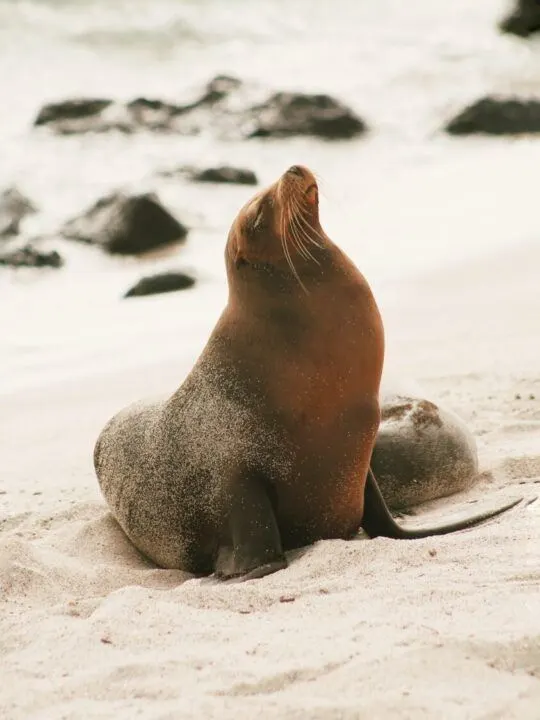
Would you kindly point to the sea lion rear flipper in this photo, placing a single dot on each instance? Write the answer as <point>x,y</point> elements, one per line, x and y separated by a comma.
<point>378,520</point>
<point>255,544</point>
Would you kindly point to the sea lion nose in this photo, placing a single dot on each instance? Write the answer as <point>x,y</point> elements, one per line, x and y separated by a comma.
<point>296,170</point>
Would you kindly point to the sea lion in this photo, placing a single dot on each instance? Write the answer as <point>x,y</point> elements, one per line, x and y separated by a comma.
<point>422,452</point>
<point>266,445</point>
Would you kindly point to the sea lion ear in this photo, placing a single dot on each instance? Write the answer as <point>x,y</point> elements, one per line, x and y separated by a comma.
<point>239,258</point>
<point>234,249</point>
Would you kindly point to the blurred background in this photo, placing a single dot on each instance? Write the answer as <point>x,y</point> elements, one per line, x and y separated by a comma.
<point>401,195</point>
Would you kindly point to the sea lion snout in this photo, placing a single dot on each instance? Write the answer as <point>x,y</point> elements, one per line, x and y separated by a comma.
<point>303,173</point>
<point>299,177</point>
<point>297,170</point>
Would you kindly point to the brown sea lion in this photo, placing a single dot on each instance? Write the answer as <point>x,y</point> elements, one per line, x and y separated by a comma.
<point>266,445</point>
<point>422,452</point>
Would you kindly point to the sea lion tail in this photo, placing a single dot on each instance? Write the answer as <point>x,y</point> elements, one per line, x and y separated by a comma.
<point>378,520</point>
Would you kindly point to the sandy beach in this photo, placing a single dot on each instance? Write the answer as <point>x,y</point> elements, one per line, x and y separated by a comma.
<point>442,627</point>
<point>445,229</point>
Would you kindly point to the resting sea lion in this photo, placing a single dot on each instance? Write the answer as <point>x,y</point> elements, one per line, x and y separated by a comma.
<point>266,445</point>
<point>422,452</point>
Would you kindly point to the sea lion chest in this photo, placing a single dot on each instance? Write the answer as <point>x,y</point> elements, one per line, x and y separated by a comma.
<point>319,380</point>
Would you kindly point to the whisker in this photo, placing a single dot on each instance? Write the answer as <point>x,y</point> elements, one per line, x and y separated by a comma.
<point>282,234</point>
<point>306,254</point>
<point>293,268</point>
<point>300,233</point>
<point>292,210</point>
<point>298,242</point>
<point>301,215</point>
<point>286,252</point>
<point>322,186</point>
<point>300,212</point>
<point>295,238</point>
<point>302,225</point>
<point>303,218</point>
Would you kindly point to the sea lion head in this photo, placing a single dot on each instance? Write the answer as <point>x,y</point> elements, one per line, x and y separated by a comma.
<point>276,237</point>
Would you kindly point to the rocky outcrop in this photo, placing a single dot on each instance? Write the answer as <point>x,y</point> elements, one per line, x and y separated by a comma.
<point>497,116</point>
<point>285,114</point>
<point>217,90</point>
<point>126,224</point>
<point>152,114</point>
<point>223,174</point>
<point>161,283</point>
<point>524,20</point>
<point>219,106</point>
<point>98,115</point>
<point>76,116</point>
<point>14,206</point>
<point>29,256</point>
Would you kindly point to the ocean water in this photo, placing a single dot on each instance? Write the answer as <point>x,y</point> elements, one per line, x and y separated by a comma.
<point>401,200</point>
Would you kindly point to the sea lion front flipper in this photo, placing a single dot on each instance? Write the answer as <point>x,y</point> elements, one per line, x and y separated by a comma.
<point>378,520</point>
<point>254,547</point>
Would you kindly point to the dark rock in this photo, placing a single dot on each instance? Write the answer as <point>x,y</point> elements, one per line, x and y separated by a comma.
<point>497,116</point>
<point>81,116</point>
<point>286,114</point>
<point>28,256</point>
<point>115,119</point>
<point>151,114</point>
<point>161,283</point>
<point>156,114</point>
<point>216,90</point>
<point>224,174</point>
<point>219,105</point>
<point>126,224</point>
<point>105,117</point>
<point>141,104</point>
<point>524,20</point>
<point>75,109</point>
<point>14,206</point>
<point>97,115</point>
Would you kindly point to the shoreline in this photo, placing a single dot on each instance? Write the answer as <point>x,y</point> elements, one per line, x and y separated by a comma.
<point>446,231</point>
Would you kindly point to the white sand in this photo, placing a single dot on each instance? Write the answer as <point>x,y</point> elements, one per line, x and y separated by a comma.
<point>438,628</point>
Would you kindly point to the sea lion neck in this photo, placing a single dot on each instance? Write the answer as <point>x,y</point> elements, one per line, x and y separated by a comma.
<point>281,311</point>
